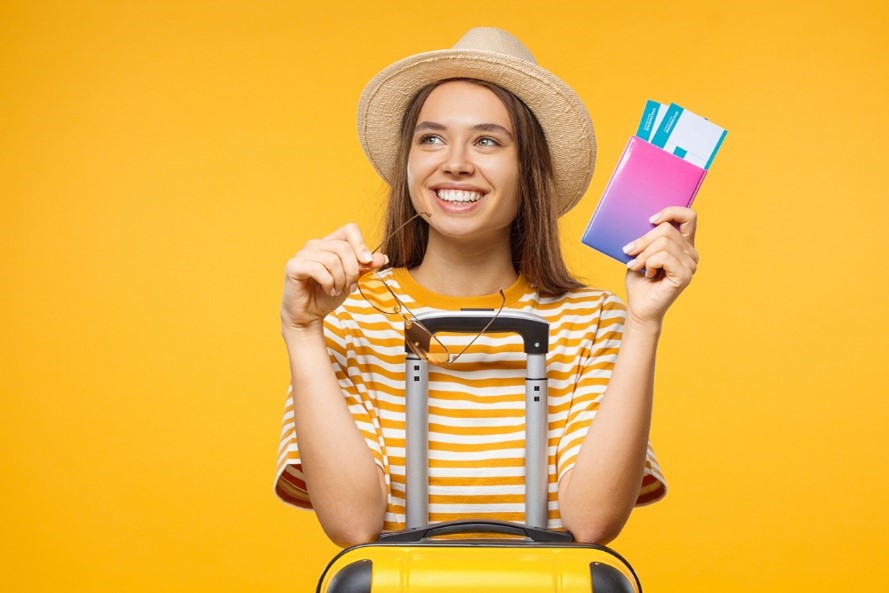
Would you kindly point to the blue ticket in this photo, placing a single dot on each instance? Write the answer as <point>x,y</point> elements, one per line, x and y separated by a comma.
<point>688,136</point>
<point>651,119</point>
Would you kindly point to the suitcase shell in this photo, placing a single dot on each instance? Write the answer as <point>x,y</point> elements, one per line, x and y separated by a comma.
<point>537,560</point>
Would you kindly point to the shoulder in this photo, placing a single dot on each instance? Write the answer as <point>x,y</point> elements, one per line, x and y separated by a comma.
<point>578,301</point>
<point>581,316</point>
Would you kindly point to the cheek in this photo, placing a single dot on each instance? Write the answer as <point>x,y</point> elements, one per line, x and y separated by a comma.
<point>413,177</point>
<point>420,167</point>
<point>504,167</point>
<point>419,163</point>
<point>506,174</point>
<point>413,169</point>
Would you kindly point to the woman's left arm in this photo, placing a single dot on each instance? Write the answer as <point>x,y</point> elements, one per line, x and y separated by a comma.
<point>597,495</point>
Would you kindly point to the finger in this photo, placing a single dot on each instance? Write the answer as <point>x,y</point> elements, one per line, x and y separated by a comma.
<point>667,232</point>
<point>379,260</point>
<point>665,244</point>
<point>337,258</point>
<point>351,234</point>
<point>343,250</point>
<point>302,270</point>
<point>675,270</point>
<point>684,219</point>
<point>663,230</point>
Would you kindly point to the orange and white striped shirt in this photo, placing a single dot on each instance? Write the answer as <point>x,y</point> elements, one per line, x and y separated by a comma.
<point>476,405</point>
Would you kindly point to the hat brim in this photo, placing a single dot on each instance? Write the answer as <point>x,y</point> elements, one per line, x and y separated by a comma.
<point>562,115</point>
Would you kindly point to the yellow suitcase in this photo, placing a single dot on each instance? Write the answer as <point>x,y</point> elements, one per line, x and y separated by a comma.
<point>414,562</point>
<point>534,560</point>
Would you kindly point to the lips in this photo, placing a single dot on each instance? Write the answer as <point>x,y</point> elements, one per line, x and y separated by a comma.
<point>458,196</point>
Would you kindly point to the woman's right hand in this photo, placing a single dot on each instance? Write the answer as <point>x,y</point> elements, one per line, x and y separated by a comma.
<point>322,274</point>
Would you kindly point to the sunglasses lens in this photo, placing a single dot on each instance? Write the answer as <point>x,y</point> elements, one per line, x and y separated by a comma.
<point>439,358</point>
<point>378,295</point>
<point>425,345</point>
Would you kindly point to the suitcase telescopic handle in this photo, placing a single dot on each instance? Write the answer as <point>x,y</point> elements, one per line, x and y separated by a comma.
<point>476,526</point>
<point>534,330</point>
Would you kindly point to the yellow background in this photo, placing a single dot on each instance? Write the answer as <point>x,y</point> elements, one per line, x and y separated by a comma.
<point>160,161</point>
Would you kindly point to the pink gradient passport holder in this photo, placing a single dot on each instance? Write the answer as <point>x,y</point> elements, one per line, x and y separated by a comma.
<point>646,180</point>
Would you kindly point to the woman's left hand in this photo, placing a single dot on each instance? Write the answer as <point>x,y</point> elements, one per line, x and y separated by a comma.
<point>665,259</point>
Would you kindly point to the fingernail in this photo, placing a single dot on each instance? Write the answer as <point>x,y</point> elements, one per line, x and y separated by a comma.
<point>654,218</point>
<point>354,287</point>
<point>366,256</point>
<point>631,263</point>
<point>333,292</point>
<point>387,259</point>
<point>629,246</point>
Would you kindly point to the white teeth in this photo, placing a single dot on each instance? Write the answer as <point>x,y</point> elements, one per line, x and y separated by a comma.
<point>458,195</point>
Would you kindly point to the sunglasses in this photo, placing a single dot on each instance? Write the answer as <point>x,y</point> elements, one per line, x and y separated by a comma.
<point>422,342</point>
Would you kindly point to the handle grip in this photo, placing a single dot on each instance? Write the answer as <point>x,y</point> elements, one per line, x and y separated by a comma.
<point>533,328</point>
<point>476,526</point>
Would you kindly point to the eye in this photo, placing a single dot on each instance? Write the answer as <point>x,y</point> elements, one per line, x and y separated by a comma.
<point>487,141</point>
<point>430,139</point>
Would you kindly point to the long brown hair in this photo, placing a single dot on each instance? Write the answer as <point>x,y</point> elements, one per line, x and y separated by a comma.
<point>534,236</point>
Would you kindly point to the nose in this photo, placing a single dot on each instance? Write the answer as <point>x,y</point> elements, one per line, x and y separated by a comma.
<point>457,160</point>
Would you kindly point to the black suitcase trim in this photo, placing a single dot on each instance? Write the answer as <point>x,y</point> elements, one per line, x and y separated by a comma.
<point>352,578</point>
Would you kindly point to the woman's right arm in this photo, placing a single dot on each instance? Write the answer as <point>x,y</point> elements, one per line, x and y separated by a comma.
<point>345,485</point>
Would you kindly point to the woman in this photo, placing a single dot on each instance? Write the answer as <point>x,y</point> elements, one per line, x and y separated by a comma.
<point>483,151</point>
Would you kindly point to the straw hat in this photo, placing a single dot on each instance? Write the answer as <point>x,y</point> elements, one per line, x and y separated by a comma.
<point>494,56</point>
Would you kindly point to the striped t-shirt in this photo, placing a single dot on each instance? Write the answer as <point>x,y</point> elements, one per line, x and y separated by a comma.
<point>476,404</point>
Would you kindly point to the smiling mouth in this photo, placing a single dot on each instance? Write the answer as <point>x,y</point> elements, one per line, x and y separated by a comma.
<point>458,196</point>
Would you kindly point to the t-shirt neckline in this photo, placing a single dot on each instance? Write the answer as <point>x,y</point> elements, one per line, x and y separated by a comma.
<point>423,296</point>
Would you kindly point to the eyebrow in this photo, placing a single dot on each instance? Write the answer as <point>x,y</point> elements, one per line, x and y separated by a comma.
<point>485,127</point>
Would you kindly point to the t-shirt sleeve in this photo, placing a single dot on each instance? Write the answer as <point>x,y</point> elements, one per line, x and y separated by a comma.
<point>290,484</point>
<point>593,375</point>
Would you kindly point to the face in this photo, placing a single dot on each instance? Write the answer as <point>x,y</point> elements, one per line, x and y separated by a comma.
<point>463,163</point>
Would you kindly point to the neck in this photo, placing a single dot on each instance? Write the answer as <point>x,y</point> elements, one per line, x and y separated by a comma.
<point>465,269</point>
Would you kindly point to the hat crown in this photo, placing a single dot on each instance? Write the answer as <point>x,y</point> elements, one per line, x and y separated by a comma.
<point>494,40</point>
